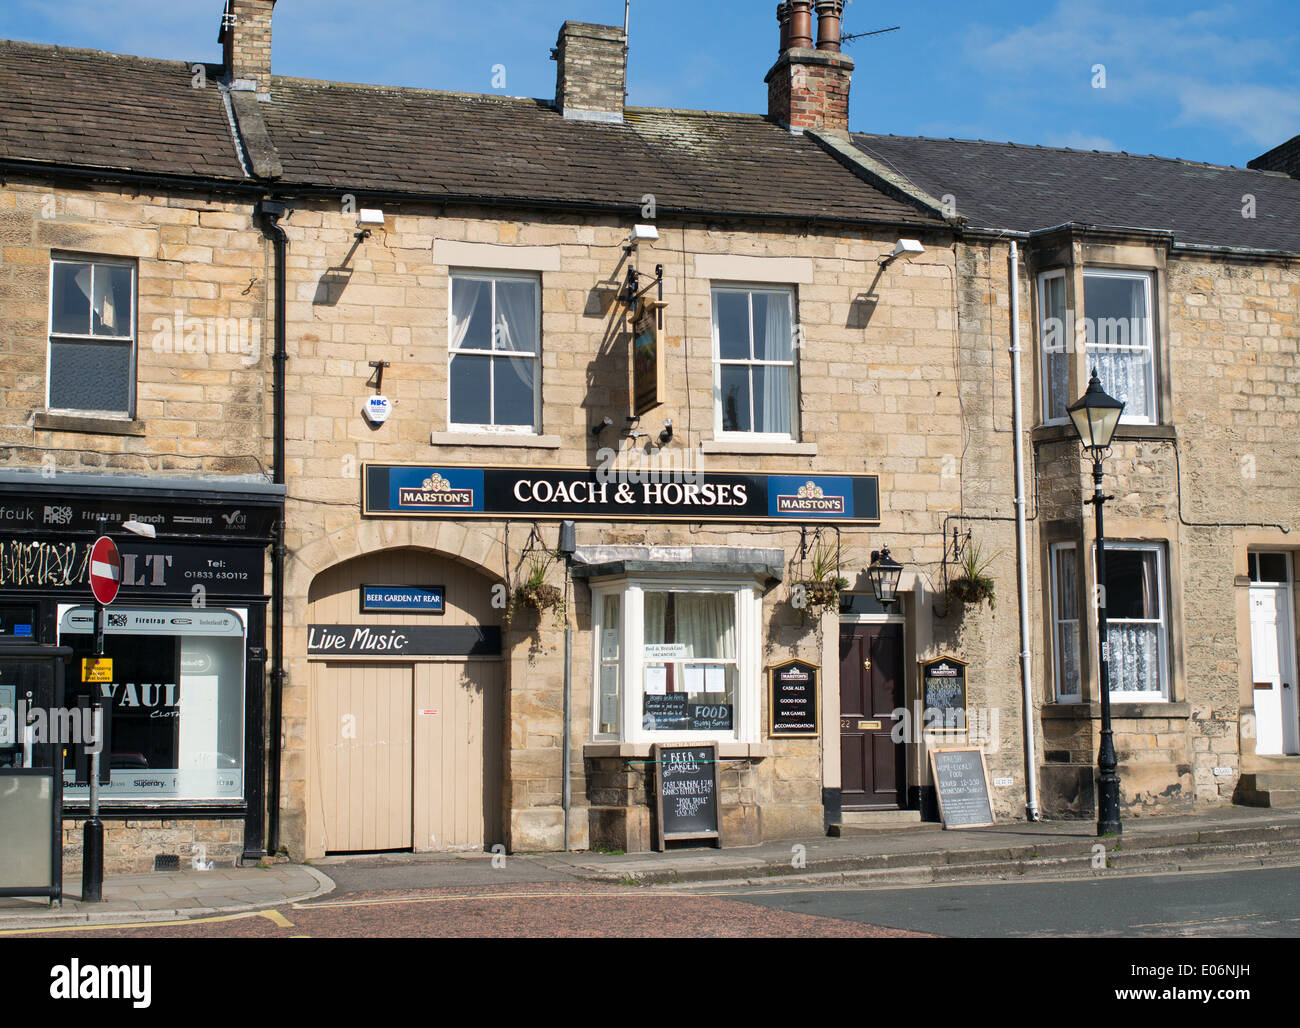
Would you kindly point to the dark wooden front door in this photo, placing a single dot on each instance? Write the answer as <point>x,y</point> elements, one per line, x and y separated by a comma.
<point>871,688</point>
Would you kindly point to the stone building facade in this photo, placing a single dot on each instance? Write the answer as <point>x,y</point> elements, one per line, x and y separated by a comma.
<point>462,369</point>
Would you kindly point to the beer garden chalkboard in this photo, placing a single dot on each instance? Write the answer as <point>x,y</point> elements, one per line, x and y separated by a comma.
<point>943,688</point>
<point>961,781</point>
<point>792,699</point>
<point>686,792</point>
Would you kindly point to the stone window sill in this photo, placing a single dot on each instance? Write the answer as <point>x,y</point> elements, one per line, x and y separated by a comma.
<point>773,449</point>
<point>729,750</point>
<point>521,442</point>
<point>1127,711</point>
<point>47,422</point>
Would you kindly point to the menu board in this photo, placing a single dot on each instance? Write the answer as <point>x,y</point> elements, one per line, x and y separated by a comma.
<point>792,699</point>
<point>943,688</point>
<point>962,783</point>
<point>676,712</point>
<point>686,792</point>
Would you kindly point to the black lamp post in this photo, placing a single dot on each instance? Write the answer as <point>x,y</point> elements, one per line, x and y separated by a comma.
<point>884,573</point>
<point>1095,418</point>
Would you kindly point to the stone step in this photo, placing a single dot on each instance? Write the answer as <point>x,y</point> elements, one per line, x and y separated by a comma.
<point>1253,763</point>
<point>1273,789</point>
<point>857,822</point>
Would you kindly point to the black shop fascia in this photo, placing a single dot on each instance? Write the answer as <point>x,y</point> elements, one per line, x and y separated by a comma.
<point>187,633</point>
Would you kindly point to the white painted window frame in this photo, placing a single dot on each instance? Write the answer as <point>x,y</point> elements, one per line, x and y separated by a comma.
<point>748,289</point>
<point>1162,622</point>
<point>1057,649</point>
<point>52,337</point>
<point>749,616</point>
<point>493,355</point>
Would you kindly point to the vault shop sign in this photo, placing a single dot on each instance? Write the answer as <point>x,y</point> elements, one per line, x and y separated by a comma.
<point>531,492</point>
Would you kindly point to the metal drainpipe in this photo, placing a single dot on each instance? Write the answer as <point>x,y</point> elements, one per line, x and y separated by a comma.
<point>1022,552</point>
<point>272,212</point>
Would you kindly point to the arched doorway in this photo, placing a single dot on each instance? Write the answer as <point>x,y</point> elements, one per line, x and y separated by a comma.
<point>406,704</point>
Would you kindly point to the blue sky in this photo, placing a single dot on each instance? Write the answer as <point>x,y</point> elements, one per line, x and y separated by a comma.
<point>1208,81</point>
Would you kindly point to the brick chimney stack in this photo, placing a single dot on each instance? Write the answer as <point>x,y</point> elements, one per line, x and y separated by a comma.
<point>591,80</point>
<point>1284,158</point>
<point>808,87</point>
<point>246,44</point>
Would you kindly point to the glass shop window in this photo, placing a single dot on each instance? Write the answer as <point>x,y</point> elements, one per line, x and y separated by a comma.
<point>176,702</point>
<point>689,662</point>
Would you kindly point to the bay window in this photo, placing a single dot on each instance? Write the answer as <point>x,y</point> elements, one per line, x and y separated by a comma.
<point>676,661</point>
<point>1137,621</point>
<point>1116,328</point>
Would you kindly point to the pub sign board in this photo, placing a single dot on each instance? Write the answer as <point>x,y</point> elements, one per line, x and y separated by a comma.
<point>647,357</point>
<point>943,689</point>
<point>605,494</point>
<point>792,699</point>
<point>686,792</point>
<point>961,782</point>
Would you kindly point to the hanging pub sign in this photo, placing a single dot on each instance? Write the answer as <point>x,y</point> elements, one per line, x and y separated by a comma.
<point>686,792</point>
<point>792,699</point>
<point>943,690</point>
<point>601,493</point>
<point>647,357</point>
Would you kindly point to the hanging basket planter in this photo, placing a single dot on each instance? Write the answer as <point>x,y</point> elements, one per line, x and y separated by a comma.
<point>820,593</point>
<point>973,584</point>
<point>534,593</point>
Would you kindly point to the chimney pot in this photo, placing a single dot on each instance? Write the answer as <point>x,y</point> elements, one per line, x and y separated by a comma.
<point>801,24</point>
<point>783,19</point>
<point>829,15</point>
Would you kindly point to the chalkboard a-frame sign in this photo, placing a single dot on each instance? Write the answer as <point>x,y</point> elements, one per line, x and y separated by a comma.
<point>961,781</point>
<point>686,792</point>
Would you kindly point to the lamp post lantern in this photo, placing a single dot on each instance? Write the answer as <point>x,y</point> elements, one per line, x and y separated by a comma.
<point>1096,416</point>
<point>884,573</point>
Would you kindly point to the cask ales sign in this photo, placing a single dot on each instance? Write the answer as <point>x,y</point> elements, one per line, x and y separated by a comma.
<point>792,699</point>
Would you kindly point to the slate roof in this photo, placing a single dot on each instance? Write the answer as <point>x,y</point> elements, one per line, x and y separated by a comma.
<point>1023,188</point>
<point>467,146</point>
<point>86,108</point>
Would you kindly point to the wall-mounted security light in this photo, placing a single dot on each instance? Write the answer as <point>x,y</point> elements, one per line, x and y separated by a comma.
<point>905,248</point>
<point>369,217</point>
<point>601,425</point>
<point>140,528</point>
<point>641,234</point>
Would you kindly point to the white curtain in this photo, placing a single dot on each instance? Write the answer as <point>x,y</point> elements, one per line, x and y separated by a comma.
<point>1135,647</point>
<point>464,298</point>
<point>656,617</point>
<point>1125,373</point>
<point>516,317</point>
<point>774,414</point>
<point>706,622</point>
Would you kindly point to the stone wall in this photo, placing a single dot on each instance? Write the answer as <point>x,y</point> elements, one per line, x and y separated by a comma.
<point>131,845</point>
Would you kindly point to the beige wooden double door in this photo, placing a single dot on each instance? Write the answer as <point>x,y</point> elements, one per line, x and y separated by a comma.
<point>408,755</point>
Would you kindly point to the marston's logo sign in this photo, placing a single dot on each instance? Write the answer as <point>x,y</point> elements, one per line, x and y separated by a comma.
<point>435,490</point>
<point>809,499</point>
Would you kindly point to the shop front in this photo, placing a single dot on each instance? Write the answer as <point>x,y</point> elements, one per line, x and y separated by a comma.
<point>695,617</point>
<point>183,760</point>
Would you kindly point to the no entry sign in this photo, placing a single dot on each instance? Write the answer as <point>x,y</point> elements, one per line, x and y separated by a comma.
<point>105,570</point>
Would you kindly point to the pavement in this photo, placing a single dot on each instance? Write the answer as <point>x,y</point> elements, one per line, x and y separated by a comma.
<point>1232,837</point>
